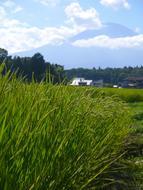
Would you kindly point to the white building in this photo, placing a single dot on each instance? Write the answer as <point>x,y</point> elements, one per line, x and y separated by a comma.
<point>81,82</point>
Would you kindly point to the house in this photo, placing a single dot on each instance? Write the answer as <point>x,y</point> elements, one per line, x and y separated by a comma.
<point>83,82</point>
<point>132,82</point>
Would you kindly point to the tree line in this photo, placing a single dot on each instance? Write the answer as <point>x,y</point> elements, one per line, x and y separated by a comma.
<point>109,75</point>
<point>36,67</point>
<point>30,68</point>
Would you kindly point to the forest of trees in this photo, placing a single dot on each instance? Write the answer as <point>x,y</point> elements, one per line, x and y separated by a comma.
<point>37,67</point>
<point>109,75</point>
<point>32,67</point>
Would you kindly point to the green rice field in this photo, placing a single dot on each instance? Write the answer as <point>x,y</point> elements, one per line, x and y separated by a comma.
<point>55,137</point>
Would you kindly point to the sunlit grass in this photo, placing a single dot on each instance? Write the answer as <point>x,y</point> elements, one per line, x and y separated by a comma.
<point>57,137</point>
<point>128,95</point>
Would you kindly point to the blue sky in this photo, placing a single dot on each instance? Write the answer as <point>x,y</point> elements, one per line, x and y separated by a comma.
<point>28,24</point>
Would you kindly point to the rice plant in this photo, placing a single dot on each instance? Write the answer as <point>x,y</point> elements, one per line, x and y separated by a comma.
<point>58,137</point>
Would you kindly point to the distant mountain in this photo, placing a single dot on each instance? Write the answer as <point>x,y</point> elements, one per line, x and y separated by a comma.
<point>112,30</point>
<point>73,57</point>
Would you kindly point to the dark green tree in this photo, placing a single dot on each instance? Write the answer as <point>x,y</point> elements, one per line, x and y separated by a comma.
<point>38,66</point>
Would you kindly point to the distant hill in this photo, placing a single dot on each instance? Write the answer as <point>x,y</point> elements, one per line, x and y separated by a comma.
<point>110,29</point>
<point>73,57</point>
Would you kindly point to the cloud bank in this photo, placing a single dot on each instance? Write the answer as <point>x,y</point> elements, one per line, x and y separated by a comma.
<point>87,19</point>
<point>18,36</point>
<point>48,2</point>
<point>116,3</point>
<point>112,43</point>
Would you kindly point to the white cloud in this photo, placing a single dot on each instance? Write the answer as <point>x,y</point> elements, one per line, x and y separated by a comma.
<point>48,2</point>
<point>12,6</point>
<point>84,18</point>
<point>23,38</point>
<point>19,36</point>
<point>2,12</point>
<point>17,9</point>
<point>7,22</point>
<point>116,3</point>
<point>112,43</point>
<point>9,3</point>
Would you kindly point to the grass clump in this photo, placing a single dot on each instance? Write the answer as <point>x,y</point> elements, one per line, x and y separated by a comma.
<point>57,137</point>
